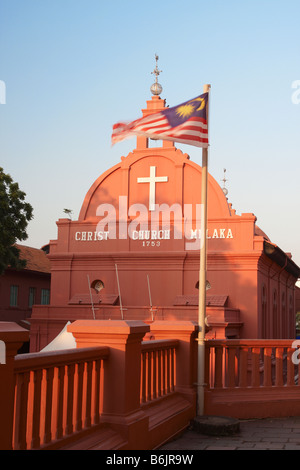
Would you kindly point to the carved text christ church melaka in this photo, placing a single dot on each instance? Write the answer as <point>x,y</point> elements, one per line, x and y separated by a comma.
<point>152,235</point>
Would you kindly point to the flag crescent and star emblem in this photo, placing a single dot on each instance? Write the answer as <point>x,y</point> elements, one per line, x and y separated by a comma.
<point>187,109</point>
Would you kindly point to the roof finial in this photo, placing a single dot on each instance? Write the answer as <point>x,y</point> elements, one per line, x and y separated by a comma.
<point>156,88</point>
<point>224,189</point>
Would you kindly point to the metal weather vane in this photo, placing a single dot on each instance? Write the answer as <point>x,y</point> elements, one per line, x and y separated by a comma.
<point>156,88</point>
<point>224,189</point>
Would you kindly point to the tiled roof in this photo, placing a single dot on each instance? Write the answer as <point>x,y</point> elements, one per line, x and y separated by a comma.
<point>36,259</point>
<point>258,231</point>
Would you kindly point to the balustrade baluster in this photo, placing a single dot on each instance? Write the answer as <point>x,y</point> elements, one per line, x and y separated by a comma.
<point>168,377</point>
<point>78,396</point>
<point>231,373</point>
<point>173,369</point>
<point>96,392</point>
<point>218,367</point>
<point>163,368</point>
<point>159,373</point>
<point>290,368</point>
<point>36,416</point>
<point>243,366</point>
<point>88,403</point>
<point>70,398</point>
<point>154,375</point>
<point>21,410</point>
<point>255,373</point>
<point>148,392</point>
<point>60,401</point>
<point>143,378</point>
<point>48,404</point>
<point>279,367</point>
<point>267,367</point>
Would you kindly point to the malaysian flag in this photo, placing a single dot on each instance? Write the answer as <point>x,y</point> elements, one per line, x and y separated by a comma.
<point>185,123</point>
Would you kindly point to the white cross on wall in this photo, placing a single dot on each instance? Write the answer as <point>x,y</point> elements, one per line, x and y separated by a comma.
<point>152,179</point>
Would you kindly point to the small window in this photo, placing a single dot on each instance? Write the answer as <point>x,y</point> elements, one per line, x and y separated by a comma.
<point>31,299</point>
<point>265,323</point>
<point>98,285</point>
<point>45,297</point>
<point>276,326</point>
<point>14,290</point>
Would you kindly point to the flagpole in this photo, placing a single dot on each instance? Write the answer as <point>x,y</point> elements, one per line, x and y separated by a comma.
<point>202,281</point>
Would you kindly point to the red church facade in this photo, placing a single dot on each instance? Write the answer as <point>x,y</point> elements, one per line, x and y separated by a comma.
<point>133,253</point>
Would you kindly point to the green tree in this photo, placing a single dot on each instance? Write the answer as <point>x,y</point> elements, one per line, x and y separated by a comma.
<point>15,214</point>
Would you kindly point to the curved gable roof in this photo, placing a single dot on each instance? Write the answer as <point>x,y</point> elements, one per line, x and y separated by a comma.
<point>183,185</point>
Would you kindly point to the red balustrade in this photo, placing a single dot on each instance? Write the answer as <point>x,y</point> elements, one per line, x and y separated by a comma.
<point>142,391</point>
<point>250,363</point>
<point>56,395</point>
<point>158,369</point>
<point>252,378</point>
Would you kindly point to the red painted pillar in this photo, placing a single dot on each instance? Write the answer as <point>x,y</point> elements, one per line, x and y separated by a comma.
<point>12,336</point>
<point>122,371</point>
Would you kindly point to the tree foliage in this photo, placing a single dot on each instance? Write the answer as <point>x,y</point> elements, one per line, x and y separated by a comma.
<point>15,213</point>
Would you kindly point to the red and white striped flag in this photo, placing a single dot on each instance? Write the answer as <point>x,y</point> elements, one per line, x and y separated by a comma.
<point>185,123</point>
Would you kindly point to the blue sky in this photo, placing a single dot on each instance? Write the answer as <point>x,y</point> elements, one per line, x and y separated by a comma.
<point>73,68</point>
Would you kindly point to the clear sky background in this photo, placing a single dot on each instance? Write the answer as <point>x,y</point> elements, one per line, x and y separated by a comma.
<point>73,68</point>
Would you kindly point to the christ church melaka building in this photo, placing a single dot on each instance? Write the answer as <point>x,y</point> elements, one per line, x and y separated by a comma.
<point>133,253</point>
